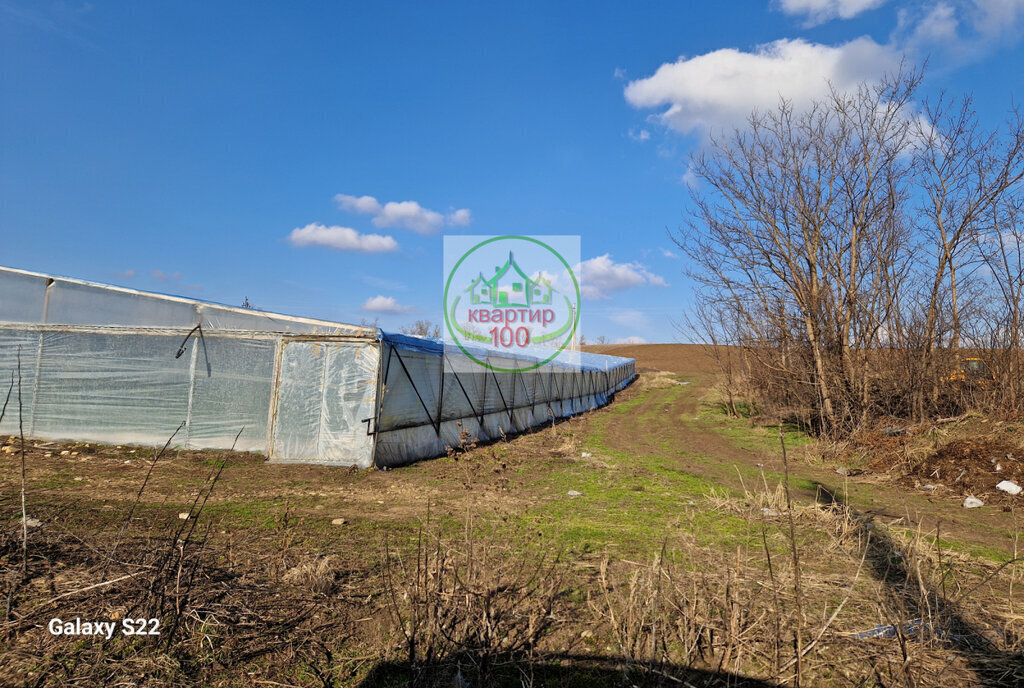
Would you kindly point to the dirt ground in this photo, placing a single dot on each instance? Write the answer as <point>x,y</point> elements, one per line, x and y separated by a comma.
<point>296,580</point>
<point>886,475</point>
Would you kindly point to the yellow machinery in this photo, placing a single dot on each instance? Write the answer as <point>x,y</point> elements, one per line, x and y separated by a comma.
<point>973,371</point>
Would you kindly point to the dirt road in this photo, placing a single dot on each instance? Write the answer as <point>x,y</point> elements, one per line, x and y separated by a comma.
<point>668,421</point>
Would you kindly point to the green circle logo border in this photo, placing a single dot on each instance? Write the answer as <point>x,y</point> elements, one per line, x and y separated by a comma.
<point>451,275</point>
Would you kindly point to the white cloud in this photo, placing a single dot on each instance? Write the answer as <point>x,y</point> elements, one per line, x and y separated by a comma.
<point>341,239</point>
<point>959,30</point>
<point>560,282</point>
<point>996,18</point>
<point>721,88</point>
<point>668,254</point>
<point>820,11</point>
<point>407,214</point>
<point>940,24</point>
<point>364,205</point>
<point>461,217</point>
<point>631,340</point>
<point>384,304</point>
<point>174,280</point>
<point>632,319</point>
<point>126,274</point>
<point>641,135</point>
<point>600,276</point>
<point>161,276</point>
<point>619,73</point>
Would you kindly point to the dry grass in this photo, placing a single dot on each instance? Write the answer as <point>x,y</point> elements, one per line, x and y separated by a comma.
<point>316,574</point>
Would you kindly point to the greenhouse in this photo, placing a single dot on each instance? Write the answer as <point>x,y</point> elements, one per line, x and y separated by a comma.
<point>120,366</point>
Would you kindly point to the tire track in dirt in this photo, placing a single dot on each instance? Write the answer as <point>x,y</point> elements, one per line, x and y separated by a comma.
<point>661,423</point>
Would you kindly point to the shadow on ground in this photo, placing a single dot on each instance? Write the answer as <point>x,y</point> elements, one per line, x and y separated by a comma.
<point>926,613</point>
<point>561,671</point>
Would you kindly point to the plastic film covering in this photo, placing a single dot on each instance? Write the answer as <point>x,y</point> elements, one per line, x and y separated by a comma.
<point>27,297</point>
<point>232,391</point>
<point>486,403</point>
<point>412,391</point>
<point>22,296</point>
<point>75,303</point>
<point>114,388</point>
<point>13,343</point>
<point>325,399</point>
<point>299,400</point>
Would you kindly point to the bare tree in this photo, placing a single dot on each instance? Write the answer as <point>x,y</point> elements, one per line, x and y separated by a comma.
<point>801,236</point>
<point>1001,247</point>
<point>422,328</point>
<point>963,171</point>
<point>852,248</point>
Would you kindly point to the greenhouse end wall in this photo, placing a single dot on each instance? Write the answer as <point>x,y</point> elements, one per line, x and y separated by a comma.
<point>108,364</point>
<point>286,396</point>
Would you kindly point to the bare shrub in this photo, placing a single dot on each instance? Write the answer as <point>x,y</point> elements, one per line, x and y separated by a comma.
<point>469,604</point>
<point>838,248</point>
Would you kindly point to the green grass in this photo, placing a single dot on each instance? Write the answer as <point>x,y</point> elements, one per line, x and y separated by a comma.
<point>57,480</point>
<point>713,415</point>
<point>638,502</point>
<point>252,513</point>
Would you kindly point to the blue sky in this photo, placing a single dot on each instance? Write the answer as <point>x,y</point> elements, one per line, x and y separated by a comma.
<point>310,156</point>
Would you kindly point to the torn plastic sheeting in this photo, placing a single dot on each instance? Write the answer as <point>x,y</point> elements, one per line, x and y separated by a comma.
<point>911,628</point>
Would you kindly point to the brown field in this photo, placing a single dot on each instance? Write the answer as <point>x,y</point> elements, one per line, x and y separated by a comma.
<point>675,560</point>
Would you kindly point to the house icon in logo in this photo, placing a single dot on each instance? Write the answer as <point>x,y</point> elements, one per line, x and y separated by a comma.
<point>510,287</point>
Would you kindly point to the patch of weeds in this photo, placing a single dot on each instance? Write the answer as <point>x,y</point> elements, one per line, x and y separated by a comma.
<point>57,480</point>
<point>993,554</point>
<point>259,513</point>
<point>741,433</point>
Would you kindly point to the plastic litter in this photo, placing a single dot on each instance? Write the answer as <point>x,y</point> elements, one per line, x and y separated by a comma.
<point>911,628</point>
<point>973,503</point>
<point>574,493</point>
<point>1009,486</point>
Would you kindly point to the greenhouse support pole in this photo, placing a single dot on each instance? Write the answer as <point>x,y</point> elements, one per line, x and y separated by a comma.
<point>274,389</point>
<point>39,359</point>
<point>191,392</point>
<point>320,454</point>
<point>440,399</point>
<point>381,373</point>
